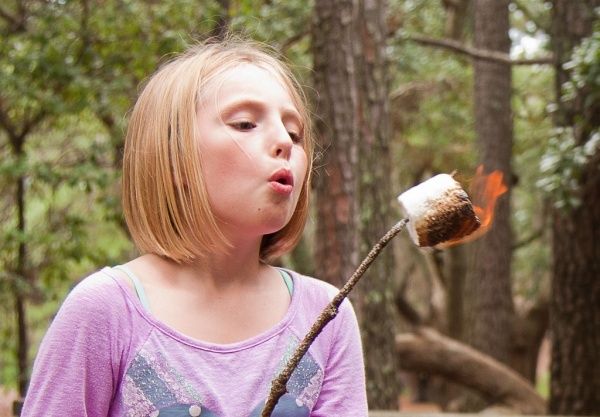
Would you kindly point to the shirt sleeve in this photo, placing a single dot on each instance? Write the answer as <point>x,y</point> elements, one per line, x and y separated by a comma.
<point>343,392</point>
<point>77,367</point>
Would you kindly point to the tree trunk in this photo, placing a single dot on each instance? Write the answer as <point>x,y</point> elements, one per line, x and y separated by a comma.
<point>352,80</point>
<point>488,288</point>
<point>455,270</point>
<point>530,327</point>
<point>378,316</point>
<point>337,231</point>
<point>19,285</point>
<point>456,16</point>
<point>575,302</point>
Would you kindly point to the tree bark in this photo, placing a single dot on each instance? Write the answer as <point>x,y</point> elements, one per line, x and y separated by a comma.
<point>488,288</point>
<point>455,265</point>
<point>575,302</point>
<point>21,283</point>
<point>426,350</point>
<point>353,84</point>
<point>456,16</point>
<point>529,330</point>
<point>337,230</point>
<point>20,308</point>
<point>378,315</point>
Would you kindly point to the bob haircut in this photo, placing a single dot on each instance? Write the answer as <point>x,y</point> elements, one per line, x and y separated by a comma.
<point>164,197</point>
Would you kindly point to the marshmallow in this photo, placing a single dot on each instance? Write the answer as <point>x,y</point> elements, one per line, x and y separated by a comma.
<point>439,212</point>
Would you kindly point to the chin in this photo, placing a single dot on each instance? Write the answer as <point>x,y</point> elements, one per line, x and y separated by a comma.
<point>276,225</point>
<point>275,229</point>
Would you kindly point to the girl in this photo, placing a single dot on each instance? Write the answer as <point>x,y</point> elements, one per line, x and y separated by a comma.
<point>216,179</point>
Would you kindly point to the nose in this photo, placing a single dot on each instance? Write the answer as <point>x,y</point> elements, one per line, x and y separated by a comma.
<point>282,142</point>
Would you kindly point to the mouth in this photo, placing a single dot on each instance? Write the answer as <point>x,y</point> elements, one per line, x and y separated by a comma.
<point>282,181</point>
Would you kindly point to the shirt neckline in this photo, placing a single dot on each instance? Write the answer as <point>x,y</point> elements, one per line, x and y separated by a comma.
<point>209,346</point>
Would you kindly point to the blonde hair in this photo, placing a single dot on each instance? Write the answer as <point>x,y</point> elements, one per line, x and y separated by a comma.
<point>165,215</point>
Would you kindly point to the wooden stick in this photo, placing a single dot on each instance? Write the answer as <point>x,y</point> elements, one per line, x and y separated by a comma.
<point>278,386</point>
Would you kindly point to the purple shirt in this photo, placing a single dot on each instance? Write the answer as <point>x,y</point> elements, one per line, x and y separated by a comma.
<point>105,355</point>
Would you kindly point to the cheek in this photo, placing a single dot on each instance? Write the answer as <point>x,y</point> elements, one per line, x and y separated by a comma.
<point>224,159</point>
<point>302,171</point>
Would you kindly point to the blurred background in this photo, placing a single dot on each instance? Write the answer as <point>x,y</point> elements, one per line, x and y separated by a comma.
<point>401,90</point>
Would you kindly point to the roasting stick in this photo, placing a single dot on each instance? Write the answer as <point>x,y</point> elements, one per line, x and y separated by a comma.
<point>278,386</point>
<point>437,211</point>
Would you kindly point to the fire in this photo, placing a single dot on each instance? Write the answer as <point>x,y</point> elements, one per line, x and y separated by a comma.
<point>484,192</point>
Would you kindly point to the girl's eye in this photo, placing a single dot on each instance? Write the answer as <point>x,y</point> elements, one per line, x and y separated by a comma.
<point>296,138</point>
<point>244,125</point>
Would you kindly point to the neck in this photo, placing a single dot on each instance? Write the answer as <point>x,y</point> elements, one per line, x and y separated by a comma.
<point>240,264</point>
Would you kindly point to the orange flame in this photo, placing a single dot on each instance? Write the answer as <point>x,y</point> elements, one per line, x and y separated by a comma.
<point>484,192</point>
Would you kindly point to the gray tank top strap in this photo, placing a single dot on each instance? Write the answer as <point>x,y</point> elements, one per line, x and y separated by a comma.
<point>287,278</point>
<point>139,289</point>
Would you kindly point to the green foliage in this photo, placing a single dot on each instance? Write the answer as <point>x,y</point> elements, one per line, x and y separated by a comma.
<point>585,67</point>
<point>431,99</point>
<point>434,124</point>
<point>531,261</point>
<point>69,73</point>
<point>571,148</point>
<point>532,90</point>
<point>283,24</point>
<point>563,164</point>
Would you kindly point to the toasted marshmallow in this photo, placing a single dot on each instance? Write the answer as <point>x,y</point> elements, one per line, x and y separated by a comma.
<point>439,212</point>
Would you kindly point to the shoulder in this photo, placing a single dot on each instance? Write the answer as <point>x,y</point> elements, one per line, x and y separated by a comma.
<point>96,291</point>
<point>339,335</point>
<point>313,287</point>
<point>313,296</point>
<point>316,291</point>
<point>98,282</point>
<point>97,318</point>
<point>84,351</point>
<point>96,302</point>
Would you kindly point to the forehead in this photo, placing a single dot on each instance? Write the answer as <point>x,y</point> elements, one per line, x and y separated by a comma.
<point>251,80</point>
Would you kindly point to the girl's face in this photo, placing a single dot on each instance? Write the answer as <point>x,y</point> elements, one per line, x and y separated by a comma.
<point>253,160</point>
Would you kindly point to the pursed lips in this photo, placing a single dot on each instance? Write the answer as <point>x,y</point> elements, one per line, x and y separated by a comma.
<point>282,181</point>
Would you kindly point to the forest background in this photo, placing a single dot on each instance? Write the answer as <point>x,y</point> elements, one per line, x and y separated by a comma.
<point>401,90</point>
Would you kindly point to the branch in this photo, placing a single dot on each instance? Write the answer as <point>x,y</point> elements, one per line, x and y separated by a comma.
<point>476,53</point>
<point>7,16</point>
<point>437,298</point>
<point>426,350</point>
<point>289,42</point>
<point>406,310</point>
<point>527,240</point>
<point>16,25</point>
<point>6,124</point>
<point>415,88</point>
<point>32,122</point>
<point>278,386</point>
<point>84,33</point>
<point>17,138</point>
